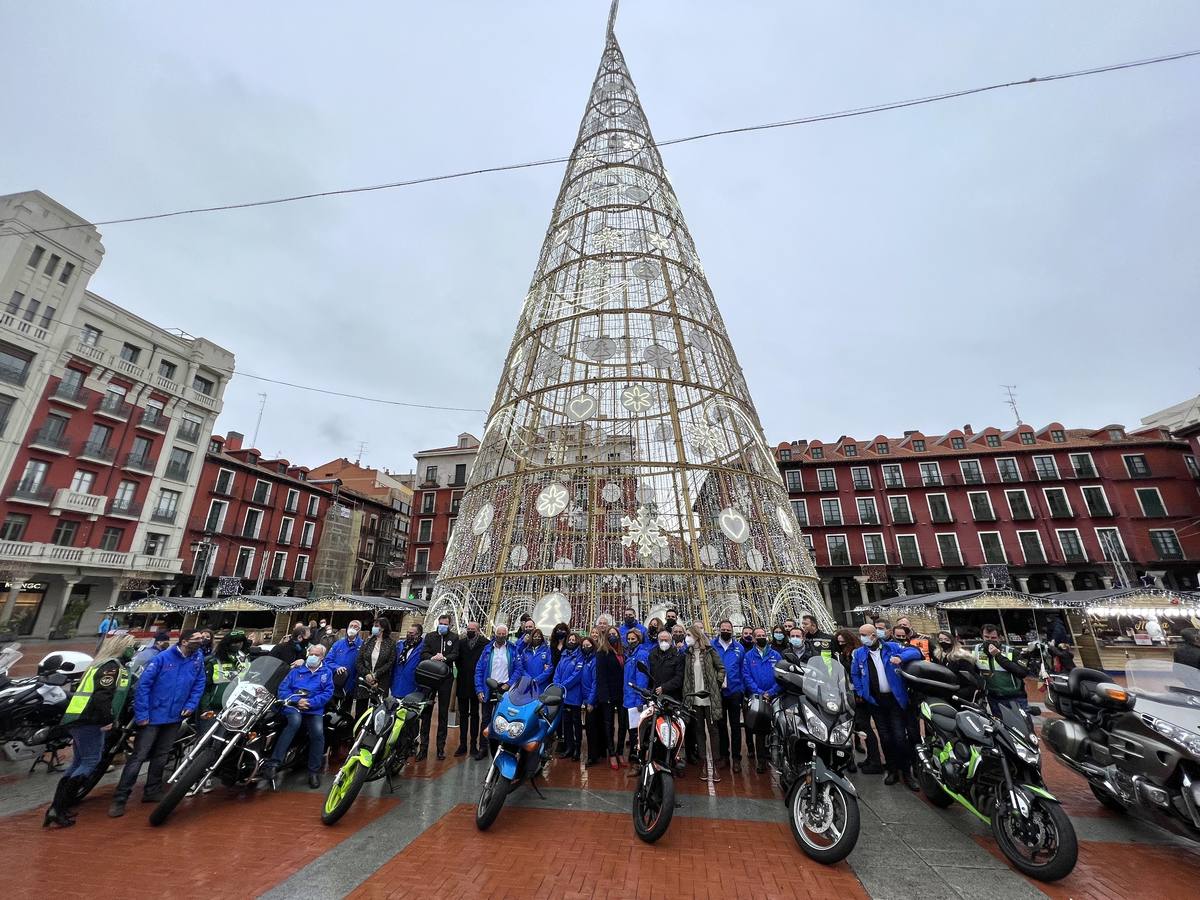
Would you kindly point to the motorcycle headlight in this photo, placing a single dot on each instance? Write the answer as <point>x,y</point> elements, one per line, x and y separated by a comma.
<point>1179,735</point>
<point>666,733</point>
<point>832,706</point>
<point>841,734</point>
<point>236,717</point>
<point>504,727</point>
<point>816,727</point>
<point>379,723</point>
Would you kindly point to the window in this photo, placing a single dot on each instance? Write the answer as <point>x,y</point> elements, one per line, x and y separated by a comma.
<point>301,568</point>
<point>36,257</point>
<point>167,369</point>
<point>971,472</point>
<point>831,512</point>
<point>124,498</point>
<point>1031,547</point>
<point>81,481</point>
<point>785,455</point>
<point>993,440</point>
<point>1116,434</point>
<point>993,547</point>
<point>179,463</point>
<point>285,530</point>
<point>68,270</point>
<point>278,564</point>
<point>1027,437</point>
<point>939,508</point>
<point>931,474</point>
<point>90,336</point>
<point>14,526</point>
<point>262,492</point>
<point>33,476</point>
<point>1111,545</point>
<point>981,506</point>
<point>421,563</point>
<point>900,510</point>
<point>52,264</point>
<point>882,448</point>
<point>948,549</point>
<point>53,432</point>
<point>252,524</point>
<point>1082,465</point>
<point>216,515</point>
<point>14,364</point>
<point>873,545</point>
<point>202,385</point>
<point>14,303</point>
<point>47,316</point>
<point>245,562</point>
<point>800,511</point>
<point>794,483</point>
<point>31,310</point>
<point>292,503</point>
<point>1056,502</point>
<point>1072,546</point>
<point>1058,435</point>
<point>6,405</point>
<point>958,443</point>
<point>456,501</point>
<point>425,530</point>
<point>130,353</point>
<point>1136,465</point>
<point>893,476</point>
<point>1151,503</point>
<point>1006,468</point>
<point>1096,501</point>
<point>1192,467</point>
<point>826,480</point>
<point>1166,543</point>
<point>808,543</point>
<point>189,429</point>
<point>111,539</point>
<point>306,534</point>
<point>64,533</point>
<point>839,552</point>
<point>918,445</point>
<point>168,505</point>
<point>314,505</point>
<point>431,474</point>
<point>225,479</point>
<point>910,552</point>
<point>867,513</point>
<point>861,476</point>
<point>850,450</point>
<point>818,453</point>
<point>1045,467</point>
<point>1018,505</point>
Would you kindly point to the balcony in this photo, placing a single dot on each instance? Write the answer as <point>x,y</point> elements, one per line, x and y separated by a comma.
<point>1010,475</point>
<point>37,494</point>
<point>71,394</point>
<point>164,516</point>
<point>1046,475</point>
<point>1059,512</point>
<point>1035,558</point>
<point>931,479</point>
<point>22,551</point>
<point>941,518</point>
<point>1165,555</point>
<point>1100,512</point>
<point>877,559</point>
<point>911,560</point>
<point>202,399</point>
<point>841,558</point>
<point>125,509</point>
<point>983,515</point>
<point>1075,556</point>
<point>902,518</point>
<point>176,472</point>
<point>67,500</point>
<point>154,420</point>
<point>827,486</point>
<point>889,482</point>
<point>860,485</point>
<point>113,407</point>
<point>952,559</point>
<point>832,520</point>
<point>972,478</point>
<point>188,431</point>
<point>97,453</point>
<point>139,462</point>
<point>132,369</point>
<point>868,519</point>
<point>53,439</point>
<point>20,326</point>
<point>1086,472</point>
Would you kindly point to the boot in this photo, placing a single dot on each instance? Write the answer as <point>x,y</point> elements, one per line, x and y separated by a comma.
<point>56,814</point>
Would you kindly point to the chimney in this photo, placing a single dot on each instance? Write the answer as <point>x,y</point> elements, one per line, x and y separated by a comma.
<point>233,441</point>
<point>968,430</point>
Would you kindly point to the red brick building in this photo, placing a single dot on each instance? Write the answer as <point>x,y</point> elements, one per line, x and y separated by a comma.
<point>438,486</point>
<point>1056,508</point>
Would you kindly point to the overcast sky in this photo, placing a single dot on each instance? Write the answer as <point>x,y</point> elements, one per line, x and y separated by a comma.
<point>876,274</point>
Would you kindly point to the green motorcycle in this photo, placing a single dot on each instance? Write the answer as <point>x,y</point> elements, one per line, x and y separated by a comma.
<point>385,737</point>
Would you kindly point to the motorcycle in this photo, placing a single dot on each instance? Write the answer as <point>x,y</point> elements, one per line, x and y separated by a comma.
<point>32,707</point>
<point>386,735</point>
<point>523,723</point>
<point>992,766</point>
<point>654,797</point>
<point>809,746</point>
<point>1137,746</point>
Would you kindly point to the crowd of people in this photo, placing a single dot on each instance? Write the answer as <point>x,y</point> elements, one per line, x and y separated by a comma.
<point>713,675</point>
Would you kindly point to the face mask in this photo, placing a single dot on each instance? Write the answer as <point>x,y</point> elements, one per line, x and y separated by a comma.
<point>778,635</point>
<point>664,645</point>
<point>471,632</point>
<point>614,639</point>
<point>633,645</point>
<point>587,649</point>
<point>312,661</point>
<point>677,638</point>
<point>867,640</point>
<point>762,641</point>
<point>442,629</point>
<point>501,639</point>
<point>747,641</point>
<point>560,632</point>
<point>880,633</point>
<point>374,630</point>
<point>571,645</point>
<point>629,620</point>
<point>946,645</point>
<point>671,621</point>
<point>691,641</point>
<point>796,642</point>
<point>352,633</point>
<point>726,636</point>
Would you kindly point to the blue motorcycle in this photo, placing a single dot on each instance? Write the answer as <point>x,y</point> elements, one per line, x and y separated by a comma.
<point>523,722</point>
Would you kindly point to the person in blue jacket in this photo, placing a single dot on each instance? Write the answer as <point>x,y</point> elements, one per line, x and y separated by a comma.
<point>408,657</point>
<point>637,650</point>
<point>874,672</point>
<point>499,660</point>
<point>729,729</point>
<point>342,658</point>
<point>568,675</point>
<point>629,624</point>
<point>305,691</point>
<point>168,691</point>
<point>758,677</point>
<point>534,659</point>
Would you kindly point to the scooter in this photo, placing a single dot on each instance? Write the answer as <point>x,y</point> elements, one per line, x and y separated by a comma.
<point>654,797</point>
<point>522,723</point>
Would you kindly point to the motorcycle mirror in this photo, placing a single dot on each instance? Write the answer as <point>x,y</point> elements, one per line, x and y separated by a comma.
<point>493,684</point>
<point>641,667</point>
<point>57,679</point>
<point>1035,710</point>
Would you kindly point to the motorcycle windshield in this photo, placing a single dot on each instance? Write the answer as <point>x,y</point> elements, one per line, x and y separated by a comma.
<point>266,671</point>
<point>9,657</point>
<point>1166,690</point>
<point>825,683</point>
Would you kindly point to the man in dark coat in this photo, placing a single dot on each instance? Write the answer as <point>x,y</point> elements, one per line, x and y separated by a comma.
<point>469,652</point>
<point>441,644</point>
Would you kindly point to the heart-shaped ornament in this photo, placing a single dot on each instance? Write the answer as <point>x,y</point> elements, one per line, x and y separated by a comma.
<point>582,407</point>
<point>734,525</point>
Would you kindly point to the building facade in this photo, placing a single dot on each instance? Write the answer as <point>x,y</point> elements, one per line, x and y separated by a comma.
<point>357,546</point>
<point>438,486</point>
<point>104,418</point>
<point>1054,509</point>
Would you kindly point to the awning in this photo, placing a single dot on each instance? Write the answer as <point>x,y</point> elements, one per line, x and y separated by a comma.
<point>155,605</point>
<point>247,603</point>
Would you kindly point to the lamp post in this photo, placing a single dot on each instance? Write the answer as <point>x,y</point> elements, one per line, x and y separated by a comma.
<point>201,550</point>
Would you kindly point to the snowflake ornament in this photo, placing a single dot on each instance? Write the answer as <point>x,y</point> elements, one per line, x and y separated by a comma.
<point>610,239</point>
<point>659,242</point>
<point>636,399</point>
<point>645,531</point>
<point>552,500</point>
<point>706,440</point>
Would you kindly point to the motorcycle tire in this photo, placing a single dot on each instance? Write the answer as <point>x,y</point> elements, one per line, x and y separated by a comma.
<point>840,848</point>
<point>342,793</point>
<point>662,785</point>
<point>1059,865</point>
<point>188,779</point>
<point>1107,800</point>
<point>491,801</point>
<point>932,789</point>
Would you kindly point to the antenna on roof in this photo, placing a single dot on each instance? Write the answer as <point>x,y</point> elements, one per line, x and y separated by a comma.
<point>362,445</point>
<point>261,406</point>
<point>1010,389</point>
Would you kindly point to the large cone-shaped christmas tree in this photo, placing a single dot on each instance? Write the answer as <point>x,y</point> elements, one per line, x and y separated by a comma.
<point>623,463</point>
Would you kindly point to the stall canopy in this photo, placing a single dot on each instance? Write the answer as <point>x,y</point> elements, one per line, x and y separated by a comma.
<point>360,603</point>
<point>151,605</point>
<point>931,612</point>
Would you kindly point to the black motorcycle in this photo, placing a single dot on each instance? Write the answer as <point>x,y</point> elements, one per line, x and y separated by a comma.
<point>1138,746</point>
<point>809,746</point>
<point>661,732</point>
<point>32,707</point>
<point>991,766</point>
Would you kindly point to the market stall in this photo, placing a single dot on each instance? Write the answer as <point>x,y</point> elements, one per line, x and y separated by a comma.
<point>150,613</point>
<point>251,612</point>
<point>339,609</point>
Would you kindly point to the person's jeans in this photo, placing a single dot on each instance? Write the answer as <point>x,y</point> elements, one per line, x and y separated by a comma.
<point>888,717</point>
<point>443,708</point>
<point>729,729</point>
<point>468,720</point>
<point>621,729</point>
<point>314,724</point>
<point>994,703</point>
<point>599,731</point>
<point>153,743</point>
<point>86,752</point>
<point>862,724</point>
<point>707,737</point>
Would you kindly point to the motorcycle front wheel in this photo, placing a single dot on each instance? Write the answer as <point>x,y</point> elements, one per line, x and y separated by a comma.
<point>195,771</point>
<point>653,807</point>
<point>1042,846</point>
<point>491,799</point>
<point>342,793</point>
<point>829,830</point>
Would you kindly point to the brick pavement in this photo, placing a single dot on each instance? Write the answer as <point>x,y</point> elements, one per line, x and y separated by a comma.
<point>553,853</point>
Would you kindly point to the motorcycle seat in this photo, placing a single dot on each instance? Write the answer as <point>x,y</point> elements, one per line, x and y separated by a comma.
<point>943,716</point>
<point>415,699</point>
<point>1082,680</point>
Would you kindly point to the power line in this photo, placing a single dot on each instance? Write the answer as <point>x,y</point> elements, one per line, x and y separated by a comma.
<point>317,390</point>
<point>787,123</point>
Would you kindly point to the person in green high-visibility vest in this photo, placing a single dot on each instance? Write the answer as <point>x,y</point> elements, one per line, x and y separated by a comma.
<point>226,662</point>
<point>90,712</point>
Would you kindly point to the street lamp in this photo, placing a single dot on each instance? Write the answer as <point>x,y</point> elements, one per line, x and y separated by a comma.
<point>201,550</point>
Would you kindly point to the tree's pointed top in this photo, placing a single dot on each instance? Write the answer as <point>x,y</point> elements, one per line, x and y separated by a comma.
<point>612,17</point>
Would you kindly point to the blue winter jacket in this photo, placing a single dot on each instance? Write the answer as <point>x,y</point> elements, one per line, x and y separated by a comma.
<point>636,626</point>
<point>758,671</point>
<point>587,684</point>
<point>344,654</point>
<point>732,660</point>
<point>170,684</point>
<point>569,676</point>
<point>317,687</point>
<point>642,654</point>
<point>483,669</point>
<point>861,678</point>
<point>535,663</point>
<point>404,672</point>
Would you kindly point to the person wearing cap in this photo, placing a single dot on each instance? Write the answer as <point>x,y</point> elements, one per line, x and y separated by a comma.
<point>162,640</point>
<point>226,661</point>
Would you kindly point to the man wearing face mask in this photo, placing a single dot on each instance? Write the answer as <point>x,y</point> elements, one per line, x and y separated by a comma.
<point>758,675</point>
<point>443,646</point>
<point>497,661</point>
<point>630,623</point>
<point>162,640</point>
<point>747,638</point>
<point>874,671</point>
<point>168,692</point>
<point>469,652</point>
<point>678,633</point>
<point>408,657</point>
<point>729,728</point>
<point>295,648</point>
<point>672,617</point>
<point>666,667</point>
<point>342,658</point>
<point>305,691</point>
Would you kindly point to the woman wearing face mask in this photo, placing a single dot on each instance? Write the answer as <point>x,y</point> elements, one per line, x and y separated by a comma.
<point>568,675</point>
<point>704,673</point>
<point>653,627</point>
<point>558,642</point>
<point>377,657</point>
<point>533,659</point>
<point>950,653</point>
<point>606,693</point>
<point>779,640</point>
<point>636,650</point>
<point>620,718</point>
<point>587,650</point>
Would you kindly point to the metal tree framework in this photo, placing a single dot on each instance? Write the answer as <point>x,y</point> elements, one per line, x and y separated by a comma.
<point>623,463</point>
